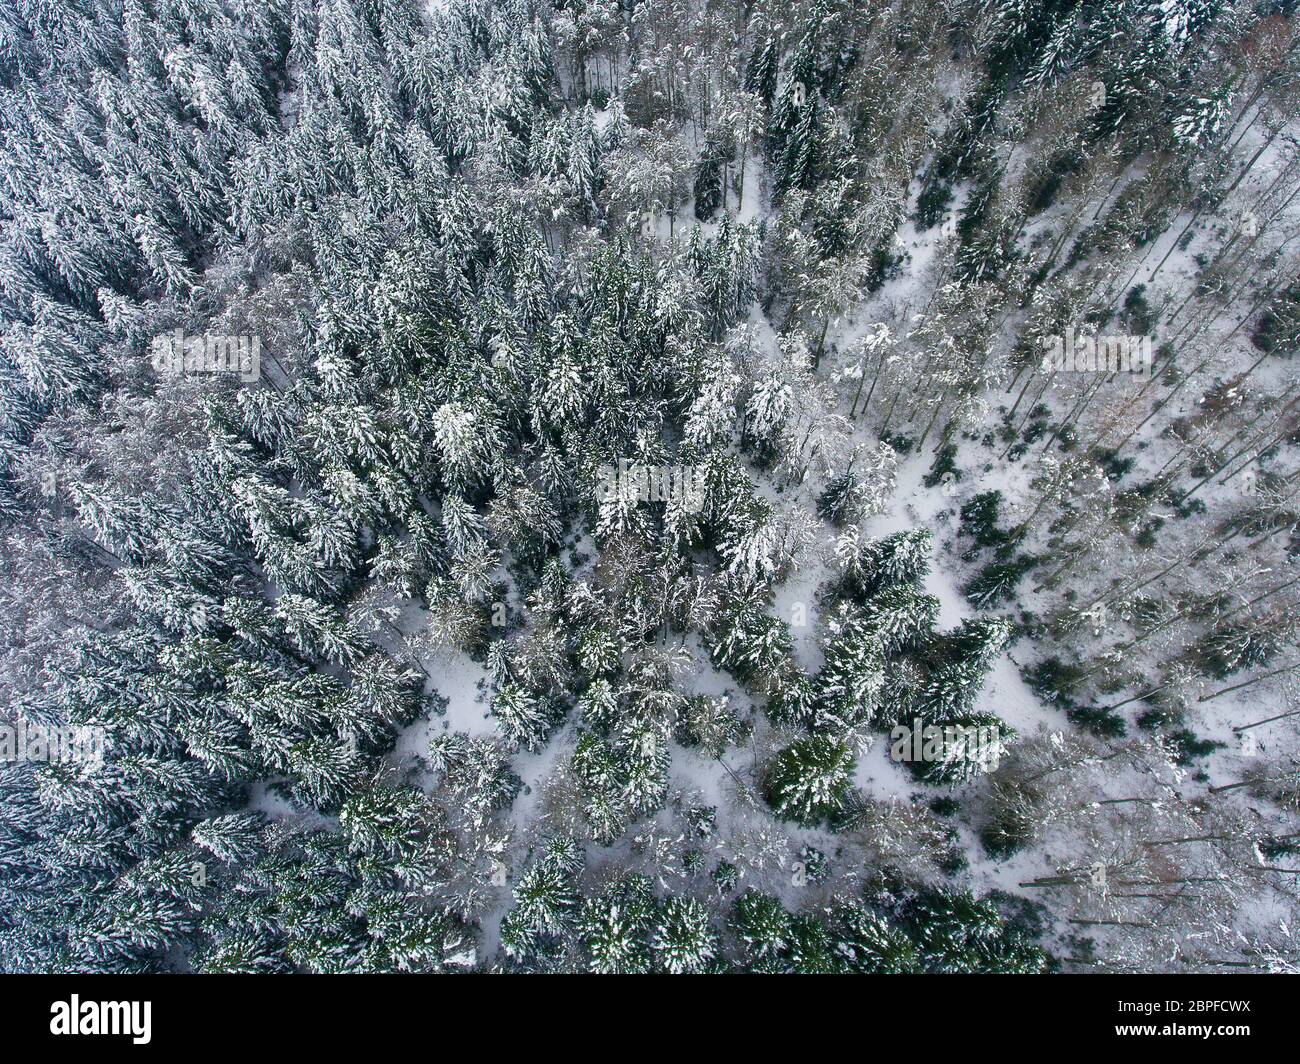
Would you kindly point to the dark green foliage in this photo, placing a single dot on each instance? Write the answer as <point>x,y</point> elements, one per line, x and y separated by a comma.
<point>899,559</point>
<point>708,188</point>
<point>1272,849</point>
<point>958,750</point>
<point>1188,747</point>
<point>930,930</point>
<point>1137,312</point>
<point>1105,723</point>
<point>836,503</point>
<point>945,461</point>
<point>815,863</point>
<point>1235,647</point>
<point>979,520</point>
<point>1054,681</point>
<point>761,70</point>
<point>900,442</point>
<point>945,806</point>
<point>996,583</point>
<point>956,933</point>
<point>808,780</point>
<point>457,232</point>
<point>1278,329</point>
<point>1007,832</point>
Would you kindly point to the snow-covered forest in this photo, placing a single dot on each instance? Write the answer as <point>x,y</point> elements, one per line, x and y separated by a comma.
<point>649,486</point>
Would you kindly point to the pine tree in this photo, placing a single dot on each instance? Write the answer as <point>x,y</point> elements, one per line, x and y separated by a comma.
<point>682,940</point>
<point>546,900</point>
<point>762,924</point>
<point>808,780</point>
<point>901,617</point>
<point>837,503</point>
<point>235,838</point>
<point>867,943</point>
<point>761,70</point>
<point>525,717</point>
<point>965,658</point>
<point>848,686</point>
<point>614,927</point>
<point>956,933</point>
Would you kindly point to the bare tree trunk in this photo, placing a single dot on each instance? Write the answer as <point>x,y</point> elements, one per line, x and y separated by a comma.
<point>1248,683</point>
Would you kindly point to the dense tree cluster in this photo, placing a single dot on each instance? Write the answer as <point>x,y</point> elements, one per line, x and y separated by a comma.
<point>566,383</point>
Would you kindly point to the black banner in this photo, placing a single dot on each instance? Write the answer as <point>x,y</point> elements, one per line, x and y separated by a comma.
<point>336,1013</point>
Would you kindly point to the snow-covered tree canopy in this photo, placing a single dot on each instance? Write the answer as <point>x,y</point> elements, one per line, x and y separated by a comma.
<point>633,487</point>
